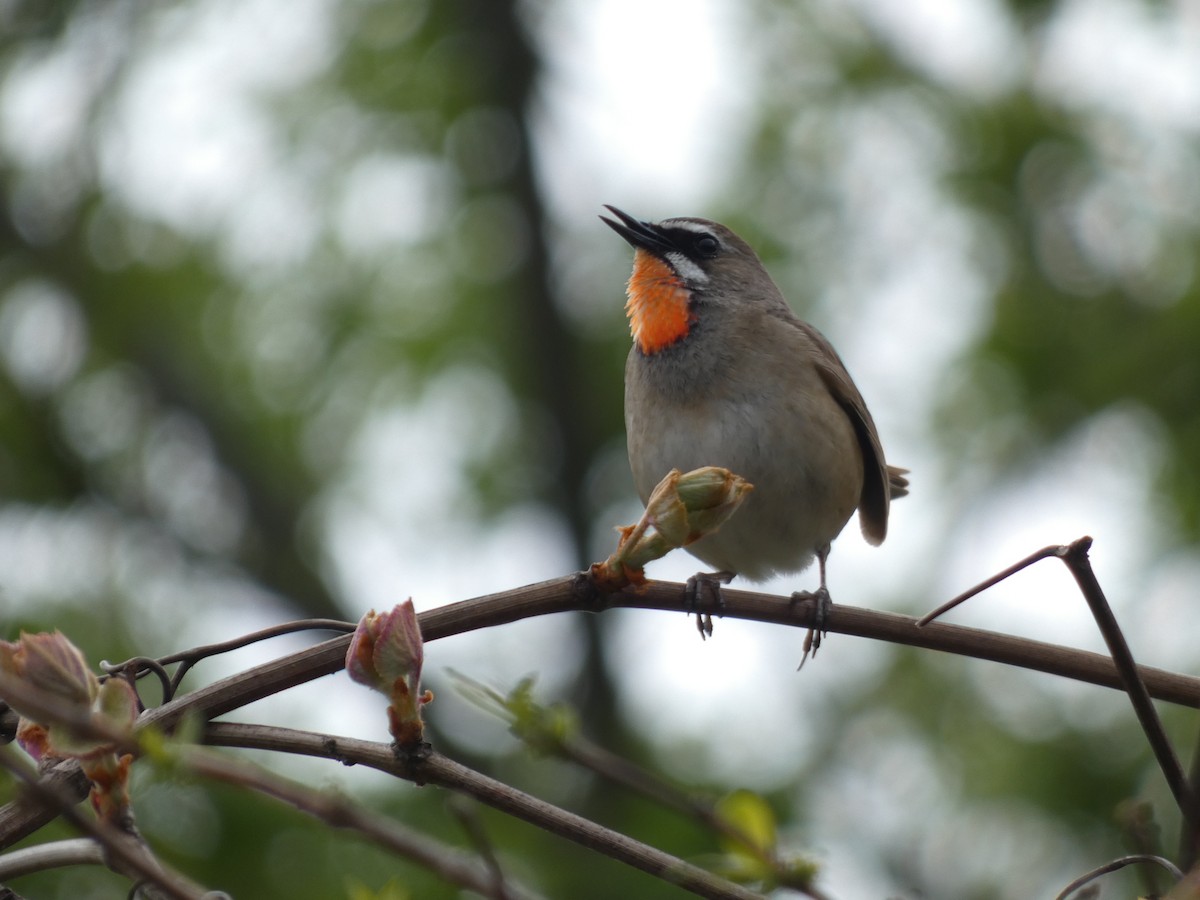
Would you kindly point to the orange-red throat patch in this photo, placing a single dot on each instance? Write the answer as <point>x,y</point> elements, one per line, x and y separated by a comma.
<point>658,303</point>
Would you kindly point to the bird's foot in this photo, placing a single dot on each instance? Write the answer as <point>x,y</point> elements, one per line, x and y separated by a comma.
<point>822,602</point>
<point>709,584</point>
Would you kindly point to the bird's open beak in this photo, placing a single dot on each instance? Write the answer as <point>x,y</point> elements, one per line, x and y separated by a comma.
<point>638,234</point>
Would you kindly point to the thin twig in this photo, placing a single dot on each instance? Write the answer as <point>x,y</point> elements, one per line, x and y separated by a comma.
<point>468,817</point>
<point>536,726</point>
<point>135,668</point>
<point>51,855</point>
<point>1076,559</point>
<point>339,812</point>
<point>1142,834</point>
<point>1189,835</point>
<point>141,665</point>
<point>1116,865</point>
<point>1044,553</point>
<point>433,768</point>
<point>633,777</point>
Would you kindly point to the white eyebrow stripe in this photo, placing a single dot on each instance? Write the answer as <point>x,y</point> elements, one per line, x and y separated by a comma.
<point>685,225</point>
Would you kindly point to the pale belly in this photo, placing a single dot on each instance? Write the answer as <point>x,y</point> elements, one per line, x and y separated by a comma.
<point>806,471</point>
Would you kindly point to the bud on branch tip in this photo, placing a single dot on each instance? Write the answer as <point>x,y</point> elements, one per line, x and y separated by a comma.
<point>50,665</point>
<point>48,662</point>
<point>681,509</point>
<point>386,654</point>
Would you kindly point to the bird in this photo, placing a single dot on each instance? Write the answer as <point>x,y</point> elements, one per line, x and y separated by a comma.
<point>723,373</point>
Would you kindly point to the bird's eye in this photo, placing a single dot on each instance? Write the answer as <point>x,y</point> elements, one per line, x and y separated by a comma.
<point>707,246</point>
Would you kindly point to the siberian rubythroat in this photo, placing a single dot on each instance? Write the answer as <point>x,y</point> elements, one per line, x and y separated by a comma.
<point>723,373</point>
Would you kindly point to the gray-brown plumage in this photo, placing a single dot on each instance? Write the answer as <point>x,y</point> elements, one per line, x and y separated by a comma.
<point>723,373</point>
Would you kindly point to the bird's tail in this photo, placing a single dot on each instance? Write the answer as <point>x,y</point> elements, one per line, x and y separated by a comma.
<point>897,481</point>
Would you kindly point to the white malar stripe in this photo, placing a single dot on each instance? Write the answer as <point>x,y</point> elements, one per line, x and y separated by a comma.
<point>691,273</point>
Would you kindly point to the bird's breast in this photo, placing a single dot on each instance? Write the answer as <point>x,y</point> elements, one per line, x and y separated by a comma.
<point>787,437</point>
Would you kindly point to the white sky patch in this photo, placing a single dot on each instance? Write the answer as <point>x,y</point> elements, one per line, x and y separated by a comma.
<point>740,682</point>
<point>43,105</point>
<point>645,102</point>
<point>43,336</point>
<point>1140,60</point>
<point>1096,484</point>
<point>186,142</point>
<point>403,515</point>
<point>968,45</point>
<point>391,200</point>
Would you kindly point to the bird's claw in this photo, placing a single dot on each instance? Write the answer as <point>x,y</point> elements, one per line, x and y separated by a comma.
<point>708,583</point>
<point>822,603</point>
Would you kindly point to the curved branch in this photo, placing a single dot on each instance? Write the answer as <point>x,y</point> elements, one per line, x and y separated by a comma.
<point>125,853</point>
<point>574,593</point>
<point>451,864</point>
<point>433,768</point>
<point>51,855</point>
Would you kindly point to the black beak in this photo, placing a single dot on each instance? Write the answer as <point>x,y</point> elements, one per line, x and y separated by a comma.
<point>638,234</point>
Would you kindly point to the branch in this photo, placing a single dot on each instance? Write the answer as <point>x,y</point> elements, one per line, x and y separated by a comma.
<point>1075,556</point>
<point>1117,865</point>
<point>434,768</point>
<point>453,865</point>
<point>51,855</point>
<point>576,593</point>
<point>25,815</point>
<point>333,810</point>
<point>544,731</point>
<point>124,853</point>
<point>140,665</point>
<point>421,768</point>
<point>468,816</point>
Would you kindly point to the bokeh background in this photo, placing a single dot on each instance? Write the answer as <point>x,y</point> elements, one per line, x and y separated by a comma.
<point>305,309</point>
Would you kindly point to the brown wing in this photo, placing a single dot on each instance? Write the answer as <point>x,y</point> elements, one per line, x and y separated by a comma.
<point>880,481</point>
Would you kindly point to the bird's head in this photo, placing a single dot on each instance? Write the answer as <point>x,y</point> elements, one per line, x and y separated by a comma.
<point>679,265</point>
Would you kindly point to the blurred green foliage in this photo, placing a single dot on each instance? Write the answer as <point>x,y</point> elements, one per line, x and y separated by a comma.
<point>185,373</point>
